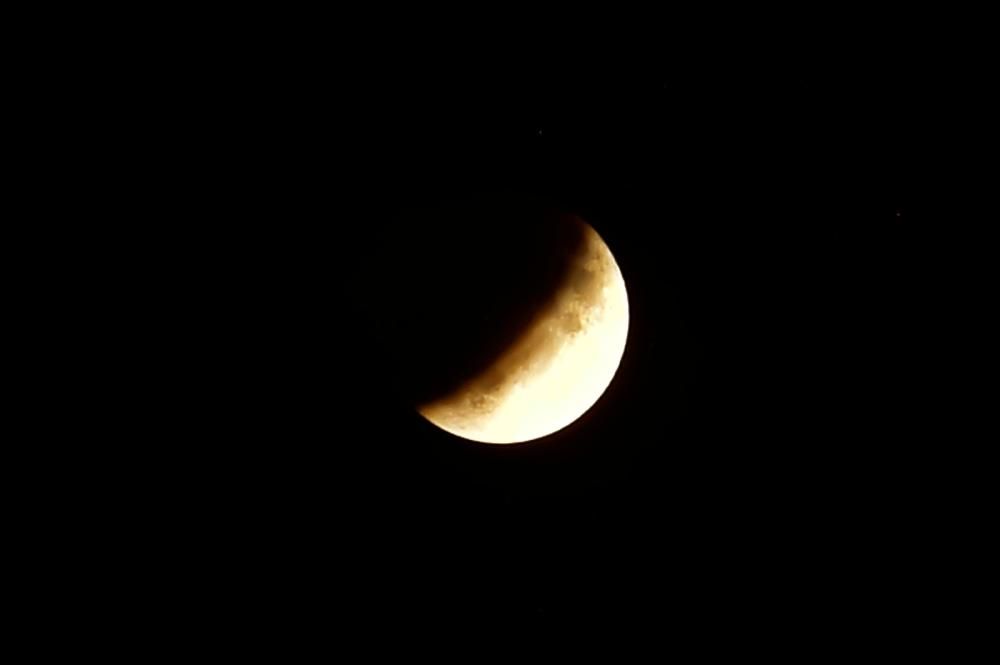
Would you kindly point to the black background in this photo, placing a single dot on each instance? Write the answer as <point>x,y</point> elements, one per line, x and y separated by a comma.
<point>754,463</point>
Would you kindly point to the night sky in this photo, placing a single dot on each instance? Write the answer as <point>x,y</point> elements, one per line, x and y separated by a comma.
<point>752,462</point>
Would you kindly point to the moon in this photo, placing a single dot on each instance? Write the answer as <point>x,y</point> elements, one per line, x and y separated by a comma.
<point>558,368</point>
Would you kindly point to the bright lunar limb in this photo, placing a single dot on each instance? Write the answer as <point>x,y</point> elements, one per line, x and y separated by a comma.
<point>557,369</point>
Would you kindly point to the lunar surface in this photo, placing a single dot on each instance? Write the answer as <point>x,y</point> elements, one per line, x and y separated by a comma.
<point>557,368</point>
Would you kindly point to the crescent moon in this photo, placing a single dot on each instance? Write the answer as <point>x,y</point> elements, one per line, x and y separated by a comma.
<point>558,368</point>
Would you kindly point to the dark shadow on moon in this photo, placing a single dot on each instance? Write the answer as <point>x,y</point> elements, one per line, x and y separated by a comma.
<point>567,314</point>
<point>453,287</point>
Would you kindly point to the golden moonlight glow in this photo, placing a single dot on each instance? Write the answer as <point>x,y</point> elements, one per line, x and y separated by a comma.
<point>558,369</point>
